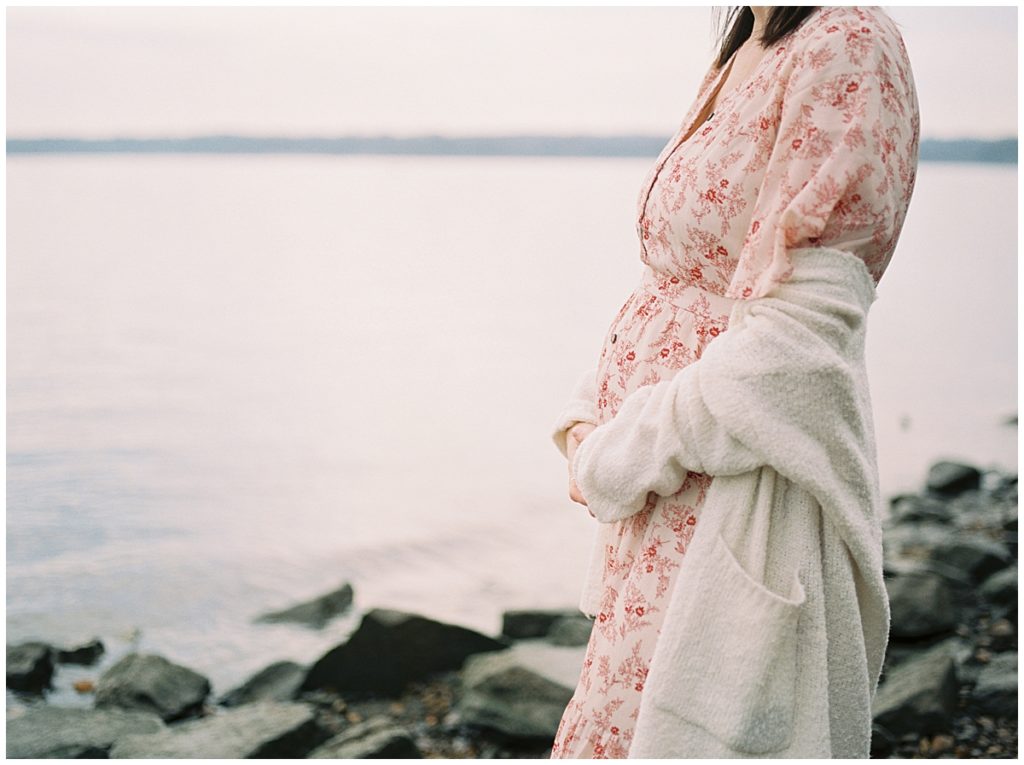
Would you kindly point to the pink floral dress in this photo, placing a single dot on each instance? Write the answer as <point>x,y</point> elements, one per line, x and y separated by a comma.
<point>817,147</point>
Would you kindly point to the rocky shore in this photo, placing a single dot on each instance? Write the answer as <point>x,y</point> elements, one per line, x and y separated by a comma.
<point>406,686</point>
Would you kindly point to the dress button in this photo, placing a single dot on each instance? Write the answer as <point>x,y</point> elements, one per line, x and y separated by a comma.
<point>614,337</point>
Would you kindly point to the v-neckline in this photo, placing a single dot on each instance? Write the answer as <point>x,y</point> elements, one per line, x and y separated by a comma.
<point>690,126</point>
<point>723,73</point>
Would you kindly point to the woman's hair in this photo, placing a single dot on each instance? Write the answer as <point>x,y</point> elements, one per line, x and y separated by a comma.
<point>739,23</point>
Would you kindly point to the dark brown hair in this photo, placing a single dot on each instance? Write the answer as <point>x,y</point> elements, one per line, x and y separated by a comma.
<point>739,23</point>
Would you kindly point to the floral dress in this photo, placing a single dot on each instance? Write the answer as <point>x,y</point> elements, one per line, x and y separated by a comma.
<point>818,147</point>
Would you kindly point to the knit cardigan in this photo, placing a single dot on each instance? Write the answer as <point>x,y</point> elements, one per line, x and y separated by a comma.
<point>774,637</point>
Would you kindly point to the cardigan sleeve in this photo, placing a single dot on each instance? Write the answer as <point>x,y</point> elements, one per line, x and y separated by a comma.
<point>844,157</point>
<point>784,373</point>
<point>581,407</point>
<point>659,434</point>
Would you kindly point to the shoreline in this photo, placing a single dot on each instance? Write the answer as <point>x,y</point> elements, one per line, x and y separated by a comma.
<point>442,690</point>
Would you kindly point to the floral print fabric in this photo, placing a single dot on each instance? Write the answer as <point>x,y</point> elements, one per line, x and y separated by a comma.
<point>817,147</point>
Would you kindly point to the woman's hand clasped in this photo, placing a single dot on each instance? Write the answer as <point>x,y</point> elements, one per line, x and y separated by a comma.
<point>574,438</point>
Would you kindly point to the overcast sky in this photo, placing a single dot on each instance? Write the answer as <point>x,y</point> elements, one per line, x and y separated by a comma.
<point>151,71</point>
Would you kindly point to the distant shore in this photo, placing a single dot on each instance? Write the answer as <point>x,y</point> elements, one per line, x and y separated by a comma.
<point>998,151</point>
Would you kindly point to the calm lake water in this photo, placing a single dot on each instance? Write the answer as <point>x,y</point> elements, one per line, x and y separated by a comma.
<point>234,382</point>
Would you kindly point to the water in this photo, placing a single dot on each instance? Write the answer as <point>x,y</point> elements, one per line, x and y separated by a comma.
<point>235,382</point>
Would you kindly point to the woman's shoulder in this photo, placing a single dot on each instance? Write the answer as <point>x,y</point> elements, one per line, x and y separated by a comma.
<point>844,41</point>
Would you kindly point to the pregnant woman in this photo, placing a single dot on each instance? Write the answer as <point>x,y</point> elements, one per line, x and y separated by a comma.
<point>782,194</point>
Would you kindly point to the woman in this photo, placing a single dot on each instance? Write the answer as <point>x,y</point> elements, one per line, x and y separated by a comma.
<point>804,134</point>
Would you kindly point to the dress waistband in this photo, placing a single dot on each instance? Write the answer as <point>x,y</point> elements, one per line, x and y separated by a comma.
<point>675,291</point>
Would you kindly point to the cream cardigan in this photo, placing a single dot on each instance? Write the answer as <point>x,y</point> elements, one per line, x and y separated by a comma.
<point>775,634</point>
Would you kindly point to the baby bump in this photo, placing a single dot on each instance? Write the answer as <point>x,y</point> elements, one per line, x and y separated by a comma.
<point>663,326</point>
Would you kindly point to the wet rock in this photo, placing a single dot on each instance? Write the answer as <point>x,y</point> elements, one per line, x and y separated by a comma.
<point>376,738</point>
<point>315,613</point>
<point>920,695</point>
<point>86,653</point>
<point>952,478</point>
<point>921,604</point>
<point>525,624</point>
<point>279,681</point>
<point>996,690</point>
<point>519,695</point>
<point>151,683</point>
<point>64,733</point>
<point>29,666</point>
<point>978,557</point>
<point>262,729</point>
<point>571,631</point>
<point>390,649</point>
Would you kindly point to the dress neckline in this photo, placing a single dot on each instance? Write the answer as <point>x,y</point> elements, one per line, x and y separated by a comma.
<point>691,126</point>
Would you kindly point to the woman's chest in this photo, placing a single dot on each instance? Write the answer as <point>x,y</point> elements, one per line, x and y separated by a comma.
<point>696,202</point>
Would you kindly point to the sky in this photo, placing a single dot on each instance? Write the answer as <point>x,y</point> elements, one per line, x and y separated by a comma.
<point>147,71</point>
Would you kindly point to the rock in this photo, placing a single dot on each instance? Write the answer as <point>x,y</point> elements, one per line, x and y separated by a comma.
<point>374,739</point>
<point>279,681</point>
<point>921,604</point>
<point>914,508</point>
<point>29,666</point>
<point>151,683</point>
<point>390,649</point>
<point>520,694</point>
<point>65,733</point>
<point>952,478</point>
<point>1003,635</point>
<point>978,557</point>
<point>882,743</point>
<point>996,690</point>
<point>315,613</point>
<point>915,540</point>
<point>920,695</point>
<point>533,623</point>
<point>1000,589</point>
<point>262,729</point>
<point>571,631</point>
<point>87,653</point>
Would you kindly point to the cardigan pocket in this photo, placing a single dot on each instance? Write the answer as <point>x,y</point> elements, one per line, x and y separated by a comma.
<point>734,668</point>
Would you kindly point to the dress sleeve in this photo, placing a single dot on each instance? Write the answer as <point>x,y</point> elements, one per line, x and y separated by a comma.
<point>843,164</point>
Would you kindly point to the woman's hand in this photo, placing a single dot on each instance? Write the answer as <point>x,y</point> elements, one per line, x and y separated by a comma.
<point>574,438</point>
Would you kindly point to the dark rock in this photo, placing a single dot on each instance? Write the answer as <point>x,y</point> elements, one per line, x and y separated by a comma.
<point>525,624</point>
<point>952,478</point>
<point>87,653</point>
<point>919,695</point>
<point>915,540</point>
<point>29,666</point>
<point>914,508</point>
<point>882,743</point>
<point>151,683</point>
<point>571,631</point>
<point>279,681</point>
<point>921,604</point>
<point>1003,635</point>
<point>520,694</point>
<point>315,613</point>
<point>263,729</point>
<point>996,690</point>
<point>978,557</point>
<point>374,739</point>
<point>390,649</point>
<point>1000,588</point>
<point>64,733</point>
